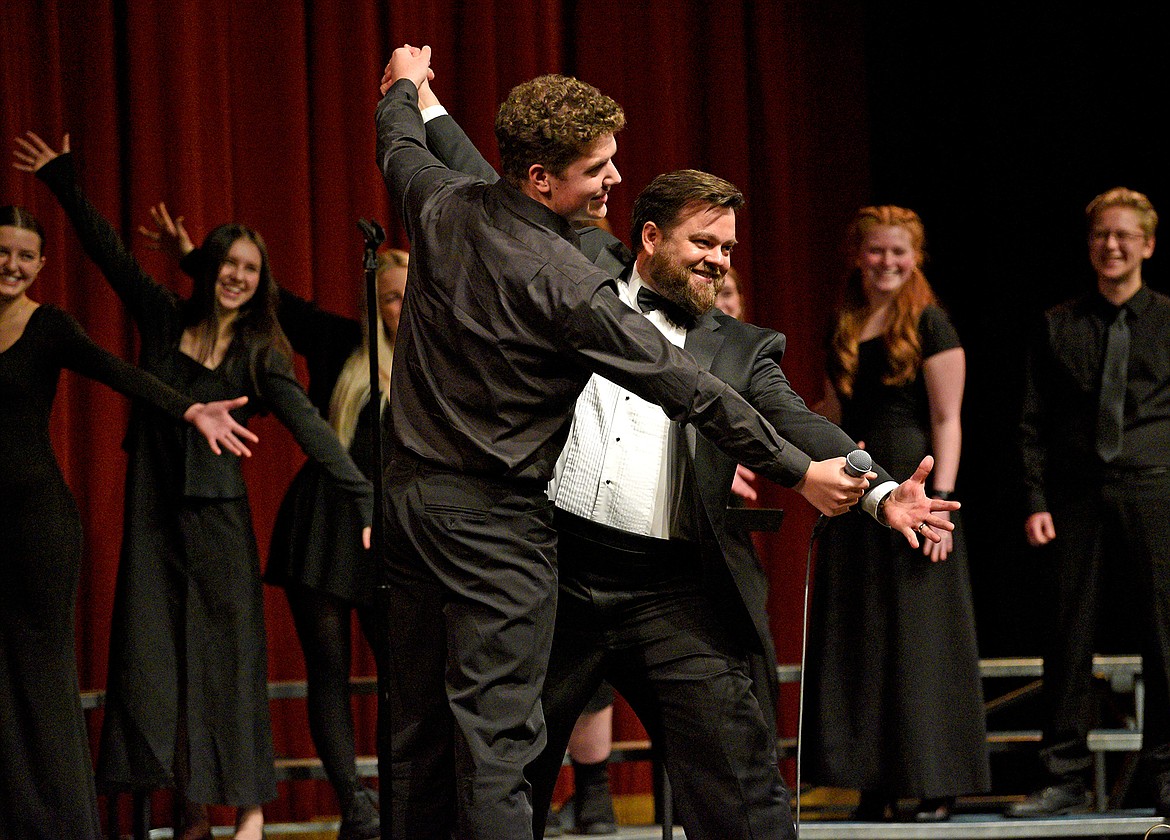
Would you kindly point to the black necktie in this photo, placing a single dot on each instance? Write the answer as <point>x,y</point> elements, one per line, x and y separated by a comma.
<point>1111,403</point>
<point>649,300</point>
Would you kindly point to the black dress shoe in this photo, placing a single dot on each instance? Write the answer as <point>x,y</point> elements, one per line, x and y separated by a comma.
<point>934,810</point>
<point>1051,802</point>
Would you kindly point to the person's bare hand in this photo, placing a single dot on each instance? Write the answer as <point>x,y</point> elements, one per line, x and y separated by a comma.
<point>32,152</point>
<point>1040,529</point>
<point>741,485</point>
<point>830,489</point>
<point>938,551</point>
<point>169,235</point>
<point>408,62</point>
<point>426,96</point>
<point>215,422</point>
<point>912,513</point>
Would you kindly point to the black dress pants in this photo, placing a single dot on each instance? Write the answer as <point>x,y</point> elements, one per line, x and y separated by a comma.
<point>472,576</point>
<point>634,611</point>
<point>1118,528</point>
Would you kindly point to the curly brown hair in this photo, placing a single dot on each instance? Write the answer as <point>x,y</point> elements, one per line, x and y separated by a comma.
<point>552,120</point>
<point>903,344</point>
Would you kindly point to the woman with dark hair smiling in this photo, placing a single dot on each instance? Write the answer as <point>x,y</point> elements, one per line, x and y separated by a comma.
<point>46,779</point>
<point>314,554</point>
<point>187,702</point>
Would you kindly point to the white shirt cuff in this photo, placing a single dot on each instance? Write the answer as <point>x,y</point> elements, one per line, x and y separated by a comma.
<point>872,500</point>
<point>432,111</point>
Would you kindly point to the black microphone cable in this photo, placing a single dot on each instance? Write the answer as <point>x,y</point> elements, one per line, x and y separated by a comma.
<point>857,463</point>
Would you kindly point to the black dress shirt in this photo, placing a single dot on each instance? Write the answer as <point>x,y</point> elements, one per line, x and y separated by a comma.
<point>504,320</point>
<point>1057,432</point>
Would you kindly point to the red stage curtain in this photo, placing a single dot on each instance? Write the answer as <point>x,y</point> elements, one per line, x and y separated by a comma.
<point>263,113</point>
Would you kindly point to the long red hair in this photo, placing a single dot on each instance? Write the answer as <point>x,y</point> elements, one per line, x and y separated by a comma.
<point>903,345</point>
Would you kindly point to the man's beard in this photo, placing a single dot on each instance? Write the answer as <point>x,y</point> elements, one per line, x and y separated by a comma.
<point>673,282</point>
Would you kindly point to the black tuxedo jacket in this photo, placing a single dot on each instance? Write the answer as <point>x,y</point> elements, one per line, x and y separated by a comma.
<point>747,358</point>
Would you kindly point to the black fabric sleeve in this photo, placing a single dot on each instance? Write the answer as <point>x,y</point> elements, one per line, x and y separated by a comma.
<point>936,332</point>
<point>773,396</point>
<point>80,354</point>
<point>310,328</point>
<point>147,301</point>
<point>316,438</point>
<point>1032,431</point>
<point>447,140</point>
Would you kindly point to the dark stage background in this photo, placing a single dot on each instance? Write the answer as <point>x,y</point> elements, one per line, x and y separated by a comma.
<point>997,124</point>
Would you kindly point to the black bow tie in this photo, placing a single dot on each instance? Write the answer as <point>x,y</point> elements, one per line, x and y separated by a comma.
<point>649,300</point>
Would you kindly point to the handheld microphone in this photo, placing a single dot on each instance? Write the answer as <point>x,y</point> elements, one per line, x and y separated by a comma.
<point>858,463</point>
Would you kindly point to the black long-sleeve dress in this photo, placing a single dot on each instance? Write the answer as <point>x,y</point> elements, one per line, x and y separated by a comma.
<point>46,777</point>
<point>895,703</point>
<point>188,641</point>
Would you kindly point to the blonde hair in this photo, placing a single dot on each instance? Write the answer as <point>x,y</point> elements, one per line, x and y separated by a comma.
<point>352,391</point>
<point>903,344</point>
<point>1123,197</point>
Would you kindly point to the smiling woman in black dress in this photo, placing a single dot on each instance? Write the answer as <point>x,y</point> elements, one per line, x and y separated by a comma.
<point>895,705</point>
<point>46,779</point>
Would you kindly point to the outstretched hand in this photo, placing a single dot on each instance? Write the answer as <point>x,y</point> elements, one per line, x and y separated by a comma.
<point>911,512</point>
<point>169,235</point>
<point>33,153</point>
<point>216,424</point>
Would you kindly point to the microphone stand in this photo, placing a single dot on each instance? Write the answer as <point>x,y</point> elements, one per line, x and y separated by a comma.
<point>374,236</point>
<point>857,463</point>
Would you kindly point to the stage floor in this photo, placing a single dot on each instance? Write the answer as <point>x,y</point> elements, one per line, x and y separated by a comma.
<point>1132,823</point>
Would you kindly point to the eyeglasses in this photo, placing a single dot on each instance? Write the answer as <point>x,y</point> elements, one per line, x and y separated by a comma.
<point>1123,237</point>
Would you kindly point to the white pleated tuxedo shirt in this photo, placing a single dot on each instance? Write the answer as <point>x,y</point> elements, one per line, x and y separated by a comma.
<point>623,464</point>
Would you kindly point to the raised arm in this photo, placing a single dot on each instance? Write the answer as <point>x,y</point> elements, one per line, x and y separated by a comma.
<point>411,171</point>
<point>449,142</point>
<point>146,300</point>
